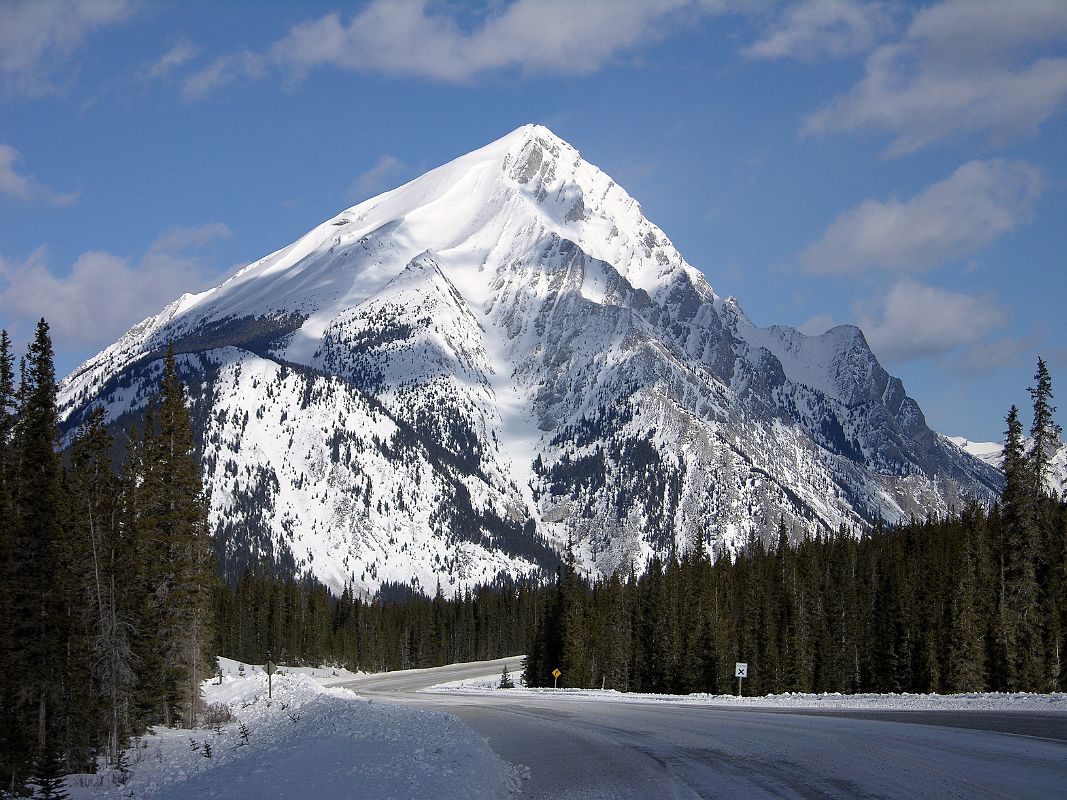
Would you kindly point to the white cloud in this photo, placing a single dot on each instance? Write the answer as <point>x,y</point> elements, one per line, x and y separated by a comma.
<point>413,38</point>
<point>817,325</point>
<point>962,67</point>
<point>918,321</point>
<point>374,179</point>
<point>38,38</point>
<point>25,187</point>
<point>240,67</point>
<point>951,219</point>
<point>985,357</point>
<point>823,28</point>
<point>177,56</point>
<point>104,294</point>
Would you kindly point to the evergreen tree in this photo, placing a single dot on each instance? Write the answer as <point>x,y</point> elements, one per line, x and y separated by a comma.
<point>1044,432</point>
<point>966,657</point>
<point>1021,604</point>
<point>38,628</point>
<point>103,563</point>
<point>575,639</point>
<point>185,521</point>
<point>8,408</point>
<point>505,679</point>
<point>48,774</point>
<point>13,752</point>
<point>180,572</point>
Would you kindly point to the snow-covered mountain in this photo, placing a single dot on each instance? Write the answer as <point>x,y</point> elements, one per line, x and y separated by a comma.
<point>992,453</point>
<point>448,380</point>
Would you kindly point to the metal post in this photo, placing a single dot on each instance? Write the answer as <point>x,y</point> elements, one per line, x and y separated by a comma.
<point>738,685</point>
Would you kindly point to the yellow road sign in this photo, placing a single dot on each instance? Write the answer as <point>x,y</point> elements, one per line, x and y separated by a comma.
<point>556,673</point>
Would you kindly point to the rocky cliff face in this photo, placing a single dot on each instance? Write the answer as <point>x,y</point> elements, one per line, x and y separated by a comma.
<point>448,380</point>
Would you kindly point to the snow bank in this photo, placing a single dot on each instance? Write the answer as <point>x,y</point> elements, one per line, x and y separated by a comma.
<point>976,701</point>
<point>311,741</point>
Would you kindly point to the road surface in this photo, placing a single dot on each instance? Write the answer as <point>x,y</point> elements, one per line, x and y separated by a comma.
<point>585,749</point>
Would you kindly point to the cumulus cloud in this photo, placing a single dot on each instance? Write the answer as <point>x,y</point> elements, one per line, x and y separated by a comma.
<point>414,38</point>
<point>823,29</point>
<point>951,219</point>
<point>374,180</point>
<point>26,187</point>
<point>918,321</point>
<point>962,67</point>
<point>104,294</point>
<point>38,38</point>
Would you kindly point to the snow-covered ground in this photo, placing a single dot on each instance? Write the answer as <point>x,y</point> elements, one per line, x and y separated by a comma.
<point>977,701</point>
<point>308,740</point>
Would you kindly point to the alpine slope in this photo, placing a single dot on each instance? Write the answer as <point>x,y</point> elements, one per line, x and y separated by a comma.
<point>449,381</point>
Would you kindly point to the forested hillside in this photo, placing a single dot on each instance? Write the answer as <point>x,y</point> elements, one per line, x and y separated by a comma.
<point>110,593</point>
<point>972,602</point>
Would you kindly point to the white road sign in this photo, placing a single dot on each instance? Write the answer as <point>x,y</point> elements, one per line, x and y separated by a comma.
<point>740,670</point>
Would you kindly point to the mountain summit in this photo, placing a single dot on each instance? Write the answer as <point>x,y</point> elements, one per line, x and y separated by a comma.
<point>450,379</point>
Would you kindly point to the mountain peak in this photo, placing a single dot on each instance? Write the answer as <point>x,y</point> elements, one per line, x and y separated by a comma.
<point>503,353</point>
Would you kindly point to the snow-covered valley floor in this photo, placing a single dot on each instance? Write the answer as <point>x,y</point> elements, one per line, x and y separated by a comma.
<point>308,741</point>
<point>314,739</point>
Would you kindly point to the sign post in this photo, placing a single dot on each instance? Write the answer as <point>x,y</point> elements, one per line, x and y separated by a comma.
<point>555,677</point>
<point>270,669</point>
<point>740,672</point>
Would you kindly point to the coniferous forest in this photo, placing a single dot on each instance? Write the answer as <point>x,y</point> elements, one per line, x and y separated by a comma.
<point>107,577</point>
<point>114,612</point>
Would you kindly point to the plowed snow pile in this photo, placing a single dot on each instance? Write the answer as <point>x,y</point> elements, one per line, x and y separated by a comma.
<point>308,740</point>
<point>1055,702</point>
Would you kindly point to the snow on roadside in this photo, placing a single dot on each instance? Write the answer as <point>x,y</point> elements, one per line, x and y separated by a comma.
<point>976,701</point>
<point>309,740</point>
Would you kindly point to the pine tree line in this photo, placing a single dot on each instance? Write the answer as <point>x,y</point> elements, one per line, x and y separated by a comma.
<point>110,595</point>
<point>973,602</point>
<point>297,621</point>
<point>107,581</point>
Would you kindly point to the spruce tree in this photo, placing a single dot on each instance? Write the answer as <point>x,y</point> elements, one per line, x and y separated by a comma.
<point>1044,432</point>
<point>48,774</point>
<point>1020,620</point>
<point>13,753</point>
<point>103,568</point>
<point>575,645</point>
<point>965,655</point>
<point>8,407</point>
<point>178,570</point>
<point>185,523</point>
<point>38,626</point>
<point>505,679</point>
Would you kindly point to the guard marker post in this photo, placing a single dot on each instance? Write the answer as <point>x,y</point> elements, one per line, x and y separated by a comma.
<point>740,672</point>
<point>270,669</point>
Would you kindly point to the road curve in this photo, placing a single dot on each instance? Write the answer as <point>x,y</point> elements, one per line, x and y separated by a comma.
<point>575,748</point>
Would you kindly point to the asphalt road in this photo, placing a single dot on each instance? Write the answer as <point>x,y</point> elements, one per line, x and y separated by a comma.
<point>577,748</point>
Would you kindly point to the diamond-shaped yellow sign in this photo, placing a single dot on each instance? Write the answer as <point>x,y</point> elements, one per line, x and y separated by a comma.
<point>556,673</point>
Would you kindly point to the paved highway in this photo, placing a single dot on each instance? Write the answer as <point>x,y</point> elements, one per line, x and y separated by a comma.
<point>577,748</point>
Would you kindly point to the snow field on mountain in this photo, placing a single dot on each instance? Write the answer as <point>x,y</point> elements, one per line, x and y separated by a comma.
<point>504,352</point>
<point>1055,703</point>
<point>992,453</point>
<point>348,510</point>
<point>308,741</point>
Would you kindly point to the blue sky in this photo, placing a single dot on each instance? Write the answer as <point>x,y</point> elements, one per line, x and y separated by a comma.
<point>896,165</point>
